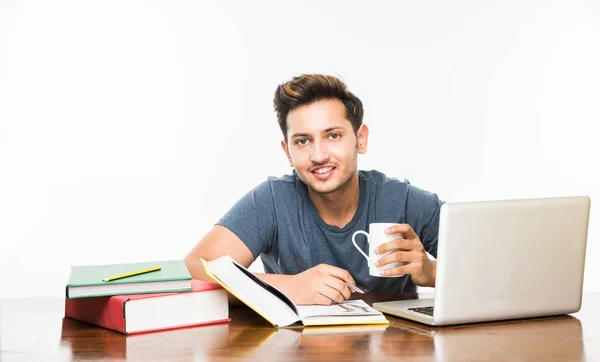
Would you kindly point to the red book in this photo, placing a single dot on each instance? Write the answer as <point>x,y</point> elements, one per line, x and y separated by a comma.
<point>138,313</point>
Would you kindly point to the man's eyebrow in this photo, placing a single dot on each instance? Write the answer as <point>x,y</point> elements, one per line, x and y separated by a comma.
<point>325,131</point>
<point>300,135</point>
<point>332,129</point>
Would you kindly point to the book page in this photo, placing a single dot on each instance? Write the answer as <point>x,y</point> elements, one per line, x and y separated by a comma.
<point>347,308</point>
<point>276,292</point>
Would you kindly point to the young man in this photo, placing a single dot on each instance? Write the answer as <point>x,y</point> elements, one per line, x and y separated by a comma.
<point>302,224</point>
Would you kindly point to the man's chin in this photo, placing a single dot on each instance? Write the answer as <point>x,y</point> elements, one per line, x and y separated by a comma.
<point>322,188</point>
<point>322,191</point>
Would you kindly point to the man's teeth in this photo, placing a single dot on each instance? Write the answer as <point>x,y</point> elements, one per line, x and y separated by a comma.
<point>324,170</point>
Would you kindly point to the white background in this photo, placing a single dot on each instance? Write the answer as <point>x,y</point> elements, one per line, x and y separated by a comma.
<point>127,128</point>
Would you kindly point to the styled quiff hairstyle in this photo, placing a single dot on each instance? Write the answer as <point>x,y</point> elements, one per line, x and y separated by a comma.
<point>309,88</point>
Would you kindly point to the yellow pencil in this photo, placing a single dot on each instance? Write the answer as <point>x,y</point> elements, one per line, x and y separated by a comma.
<point>143,271</point>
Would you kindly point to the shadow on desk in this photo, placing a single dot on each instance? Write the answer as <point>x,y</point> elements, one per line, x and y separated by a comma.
<point>87,342</point>
<point>550,339</point>
<point>251,338</point>
<point>240,341</point>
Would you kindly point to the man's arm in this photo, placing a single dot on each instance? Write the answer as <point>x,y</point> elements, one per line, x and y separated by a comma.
<point>218,242</point>
<point>322,284</point>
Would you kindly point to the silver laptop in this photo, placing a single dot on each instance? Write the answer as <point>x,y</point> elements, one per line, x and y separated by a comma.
<point>504,259</point>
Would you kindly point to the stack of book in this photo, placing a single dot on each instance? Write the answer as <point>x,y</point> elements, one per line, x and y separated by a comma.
<point>143,297</point>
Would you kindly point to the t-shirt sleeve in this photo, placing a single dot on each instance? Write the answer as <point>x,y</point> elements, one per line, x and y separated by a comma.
<point>252,219</point>
<point>423,214</point>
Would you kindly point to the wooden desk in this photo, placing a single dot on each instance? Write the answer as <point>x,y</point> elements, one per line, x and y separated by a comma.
<point>34,330</point>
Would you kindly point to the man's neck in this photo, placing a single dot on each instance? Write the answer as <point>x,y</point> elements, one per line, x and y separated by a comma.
<point>338,208</point>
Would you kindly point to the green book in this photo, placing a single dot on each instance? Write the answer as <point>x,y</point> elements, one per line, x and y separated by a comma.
<point>89,280</point>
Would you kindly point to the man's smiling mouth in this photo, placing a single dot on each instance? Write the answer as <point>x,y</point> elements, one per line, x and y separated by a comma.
<point>323,170</point>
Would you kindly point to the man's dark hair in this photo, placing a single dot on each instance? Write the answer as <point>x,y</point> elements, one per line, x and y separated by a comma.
<point>309,88</point>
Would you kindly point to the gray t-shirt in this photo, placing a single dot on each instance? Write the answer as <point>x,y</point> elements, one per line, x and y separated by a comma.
<point>278,221</point>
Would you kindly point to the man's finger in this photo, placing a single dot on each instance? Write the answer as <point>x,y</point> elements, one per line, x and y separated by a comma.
<point>338,285</point>
<point>396,244</point>
<point>320,299</point>
<point>331,293</point>
<point>339,273</point>
<point>399,270</point>
<point>403,229</point>
<point>398,256</point>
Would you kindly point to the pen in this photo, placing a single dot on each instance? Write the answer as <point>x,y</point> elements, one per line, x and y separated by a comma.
<point>354,288</point>
<point>143,271</point>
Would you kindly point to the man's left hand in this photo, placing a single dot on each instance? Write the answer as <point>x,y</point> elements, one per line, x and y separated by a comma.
<point>409,250</point>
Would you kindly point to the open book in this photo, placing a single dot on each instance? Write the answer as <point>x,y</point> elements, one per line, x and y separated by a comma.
<point>277,308</point>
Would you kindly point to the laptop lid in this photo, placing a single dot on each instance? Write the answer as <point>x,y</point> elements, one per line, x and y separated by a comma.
<point>510,259</point>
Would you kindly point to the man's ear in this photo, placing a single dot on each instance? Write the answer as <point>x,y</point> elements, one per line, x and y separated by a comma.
<point>362,136</point>
<point>287,152</point>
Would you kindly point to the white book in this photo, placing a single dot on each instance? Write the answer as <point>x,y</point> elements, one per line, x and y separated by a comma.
<point>278,309</point>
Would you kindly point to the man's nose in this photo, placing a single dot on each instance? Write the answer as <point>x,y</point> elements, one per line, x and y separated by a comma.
<point>319,153</point>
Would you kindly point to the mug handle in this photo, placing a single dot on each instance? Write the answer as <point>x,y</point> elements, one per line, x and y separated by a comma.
<point>357,247</point>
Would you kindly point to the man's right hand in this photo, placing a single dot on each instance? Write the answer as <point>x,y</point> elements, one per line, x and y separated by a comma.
<point>323,284</point>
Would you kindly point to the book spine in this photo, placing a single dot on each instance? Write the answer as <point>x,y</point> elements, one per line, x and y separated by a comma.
<point>105,312</point>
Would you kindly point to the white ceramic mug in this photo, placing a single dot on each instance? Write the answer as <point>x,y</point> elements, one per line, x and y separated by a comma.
<point>375,237</point>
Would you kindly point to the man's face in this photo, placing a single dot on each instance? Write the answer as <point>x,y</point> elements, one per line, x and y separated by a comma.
<point>322,146</point>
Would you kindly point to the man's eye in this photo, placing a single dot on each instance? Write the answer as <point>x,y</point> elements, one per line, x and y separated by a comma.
<point>335,136</point>
<point>301,141</point>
